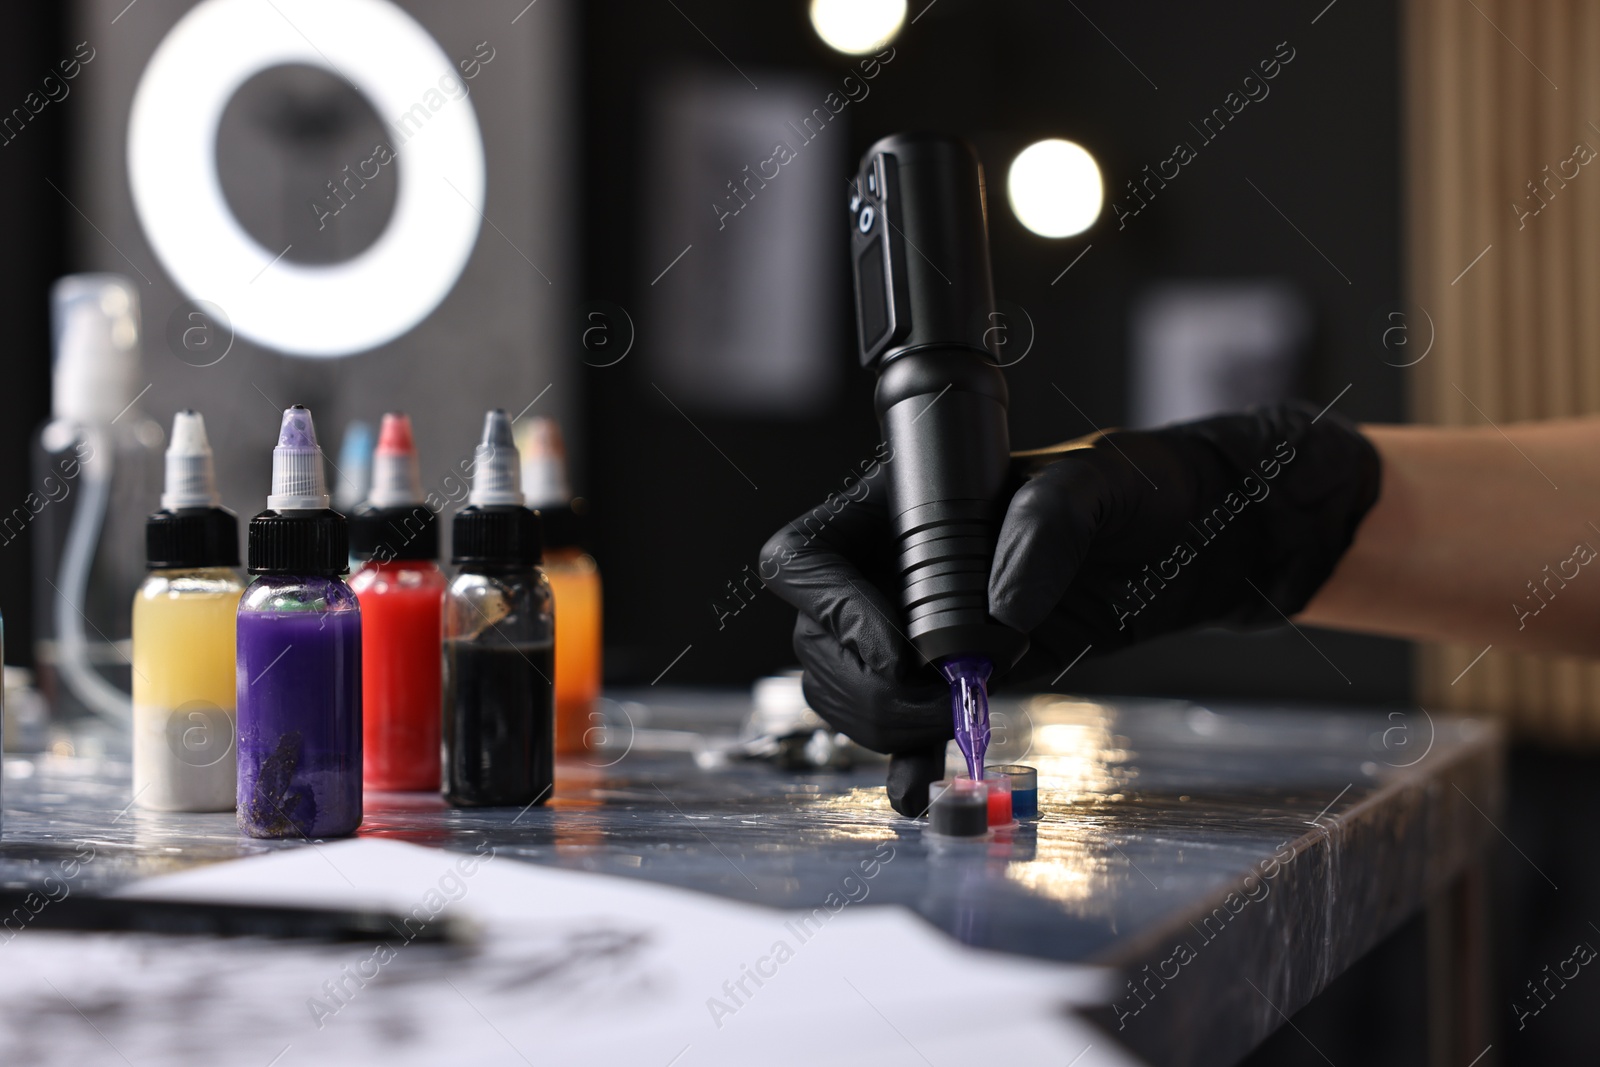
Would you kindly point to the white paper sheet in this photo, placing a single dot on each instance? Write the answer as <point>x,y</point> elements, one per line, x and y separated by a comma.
<point>571,968</point>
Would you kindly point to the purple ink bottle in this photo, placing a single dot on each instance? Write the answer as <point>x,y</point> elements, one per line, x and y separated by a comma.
<point>299,662</point>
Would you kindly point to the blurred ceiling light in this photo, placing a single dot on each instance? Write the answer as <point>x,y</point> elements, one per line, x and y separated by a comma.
<point>1055,189</point>
<point>857,26</point>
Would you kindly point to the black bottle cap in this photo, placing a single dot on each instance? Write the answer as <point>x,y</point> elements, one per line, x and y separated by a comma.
<point>191,537</point>
<point>300,542</point>
<point>406,531</point>
<point>496,535</point>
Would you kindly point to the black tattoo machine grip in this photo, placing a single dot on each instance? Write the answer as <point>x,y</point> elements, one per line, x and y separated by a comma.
<point>925,307</point>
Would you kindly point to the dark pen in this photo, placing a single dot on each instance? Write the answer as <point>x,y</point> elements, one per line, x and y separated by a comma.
<point>209,919</point>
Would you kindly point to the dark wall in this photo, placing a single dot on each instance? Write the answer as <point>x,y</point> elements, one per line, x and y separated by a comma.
<point>31,256</point>
<point>680,522</point>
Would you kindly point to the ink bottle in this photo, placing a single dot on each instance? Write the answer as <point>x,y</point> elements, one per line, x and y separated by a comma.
<point>184,717</point>
<point>401,590</point>
<point>574,580</point>
<point>499,640</point>
<point>299,656</point>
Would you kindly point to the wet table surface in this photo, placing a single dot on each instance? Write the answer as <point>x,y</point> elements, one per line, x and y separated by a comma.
<point>1230,861</point>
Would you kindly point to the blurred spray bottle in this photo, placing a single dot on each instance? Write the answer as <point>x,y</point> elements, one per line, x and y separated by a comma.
<point>97,469</point>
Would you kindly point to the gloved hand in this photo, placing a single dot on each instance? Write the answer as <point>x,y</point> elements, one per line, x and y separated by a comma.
<point>1235,520</point>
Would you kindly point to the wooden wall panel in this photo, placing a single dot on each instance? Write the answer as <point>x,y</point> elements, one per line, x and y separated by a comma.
<point>1498,93</point>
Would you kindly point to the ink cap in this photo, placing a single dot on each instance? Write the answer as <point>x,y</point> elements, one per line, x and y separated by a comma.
<point>298,481</point>
<point>564,520</point>
<point>1024,788</point>
<point>544,462</point>
<point>299,533</point>
<point>353,473</point>
<point>959,808</point>
<point>998,787</point>
<point>394,522</point>
<point>192,529</point>
<point>496,528</point>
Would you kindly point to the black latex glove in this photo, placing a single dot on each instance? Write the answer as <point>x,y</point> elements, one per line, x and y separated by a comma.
<point>1235,520</point>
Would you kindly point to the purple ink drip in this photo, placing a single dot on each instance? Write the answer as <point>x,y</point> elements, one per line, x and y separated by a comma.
<point>969,701</point>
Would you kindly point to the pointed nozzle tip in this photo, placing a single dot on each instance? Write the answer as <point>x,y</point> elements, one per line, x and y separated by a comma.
<point>297,430</point>
<point>394,436</point>
<point>497,479</point>
<point>190,477</point>
<point>542,438</point>
<point>396,475</point>
<point>544,463</point>
<point>357,436</point>
<point>497,429</point>
<point>189,435</point>
<point>298,482</point>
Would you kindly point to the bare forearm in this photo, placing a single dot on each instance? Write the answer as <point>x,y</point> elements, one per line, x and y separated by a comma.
<point>1478,536</point>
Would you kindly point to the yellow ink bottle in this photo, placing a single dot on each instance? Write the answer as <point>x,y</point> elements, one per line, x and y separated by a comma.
<point>184,721</point>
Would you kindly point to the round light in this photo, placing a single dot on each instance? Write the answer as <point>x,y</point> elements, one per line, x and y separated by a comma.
<point>857,26</point>
<point>306,310</point>
<point>1054,187</point>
